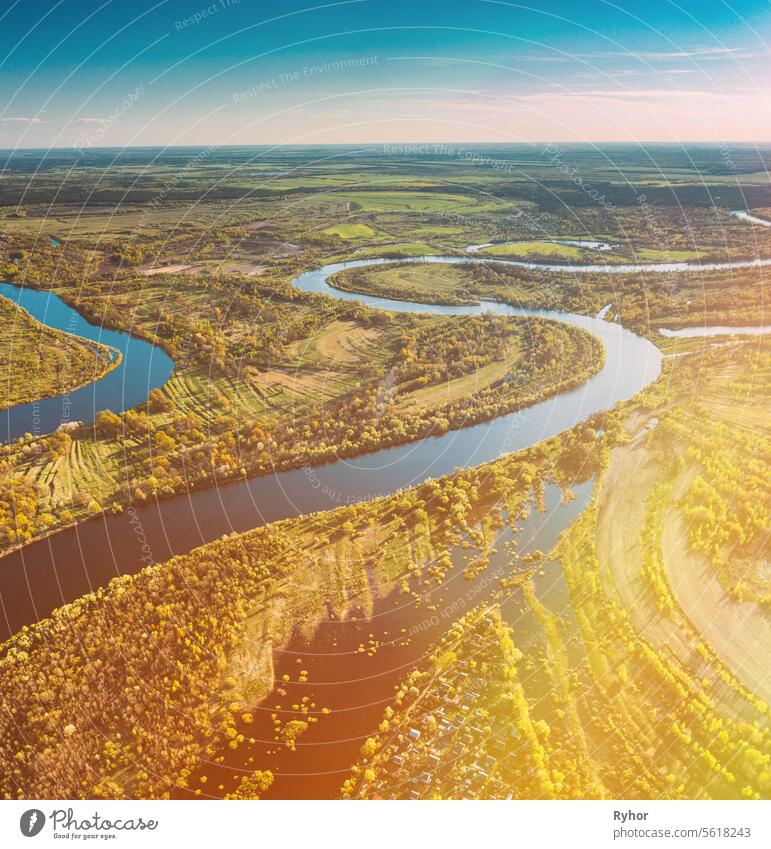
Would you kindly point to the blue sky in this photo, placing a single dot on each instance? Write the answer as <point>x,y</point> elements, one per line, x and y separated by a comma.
<point>97,73</point>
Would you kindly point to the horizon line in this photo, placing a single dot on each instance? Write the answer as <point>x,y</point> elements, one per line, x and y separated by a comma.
<point>415,144</point>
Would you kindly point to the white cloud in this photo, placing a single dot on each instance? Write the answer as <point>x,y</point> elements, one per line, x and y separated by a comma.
<point>22,120</point>
<point>616,94</point>
<point>701,53</point>
<point>705,53</point>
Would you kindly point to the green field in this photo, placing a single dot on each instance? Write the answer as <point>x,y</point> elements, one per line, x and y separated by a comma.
<point>542,250</point>
<point>657,255</point>
<point>404,249</point>
<point>431,283</point>
<point>390,201</point>
<point>350,231</point>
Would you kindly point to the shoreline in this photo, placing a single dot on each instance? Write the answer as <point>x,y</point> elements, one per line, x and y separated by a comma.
<point>116,358</point>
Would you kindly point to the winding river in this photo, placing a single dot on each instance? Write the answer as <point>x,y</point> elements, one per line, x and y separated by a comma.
<point>44,575</point>
<point>142,367</point>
